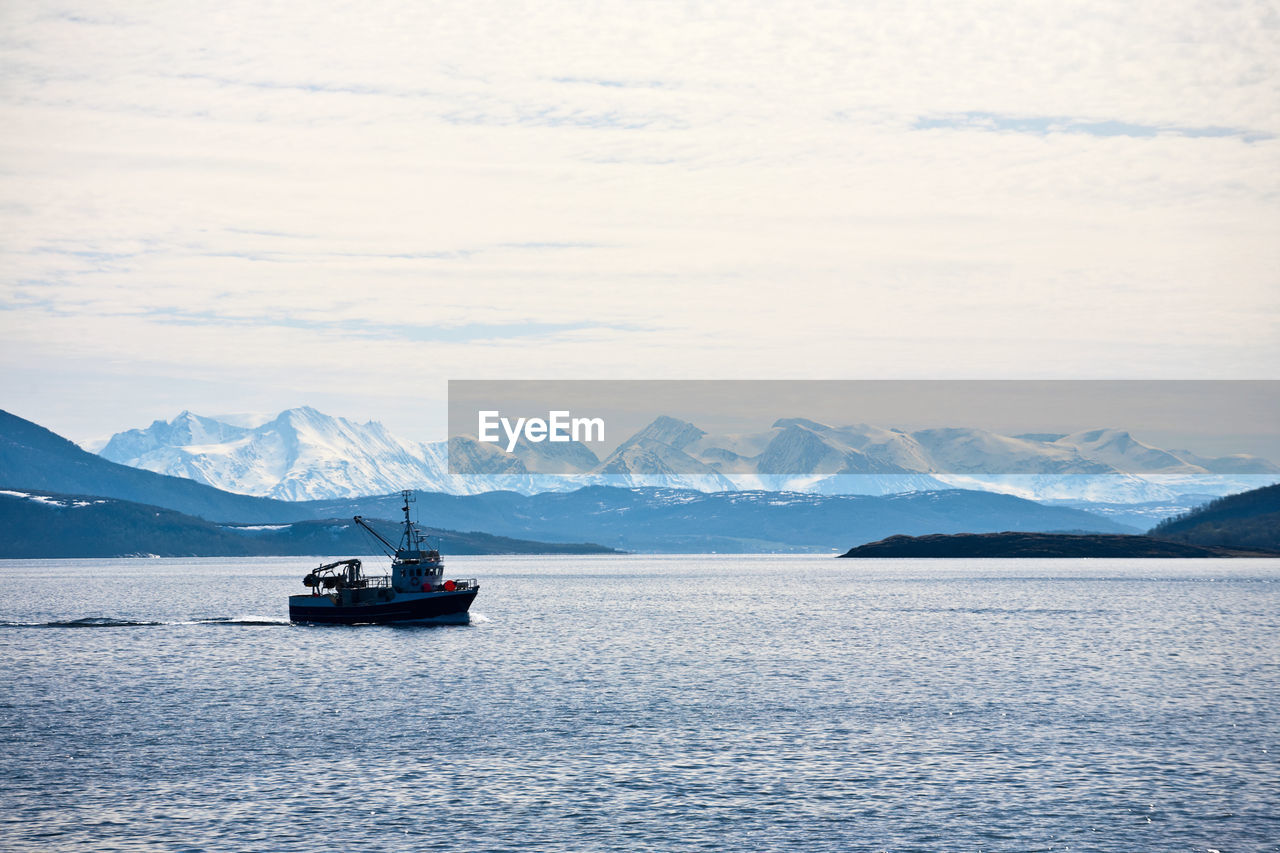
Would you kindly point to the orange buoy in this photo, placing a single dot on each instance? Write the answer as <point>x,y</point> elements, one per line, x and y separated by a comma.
<point>450,586</point>
<point>426,586</point>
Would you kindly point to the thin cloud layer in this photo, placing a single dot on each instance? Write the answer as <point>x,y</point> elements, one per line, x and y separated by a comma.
<point>202,200</point>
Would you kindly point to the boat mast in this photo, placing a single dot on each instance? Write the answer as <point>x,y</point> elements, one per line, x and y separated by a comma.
<point>410,532</point>
<point>410,540</point>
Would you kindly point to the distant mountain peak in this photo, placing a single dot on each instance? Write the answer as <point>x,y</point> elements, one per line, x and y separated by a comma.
<point>303,414</point>
<point>784,423</point>
<point>670,431</point>
<point>1105,435</point>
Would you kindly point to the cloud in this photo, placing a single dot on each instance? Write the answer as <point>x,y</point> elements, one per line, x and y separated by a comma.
<point>1042,125</point>
<point>232,190</point>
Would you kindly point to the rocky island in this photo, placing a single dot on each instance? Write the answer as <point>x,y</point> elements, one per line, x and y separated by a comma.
<point>1018,544</point>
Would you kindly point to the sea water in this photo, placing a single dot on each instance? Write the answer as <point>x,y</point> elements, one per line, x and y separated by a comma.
<point>648,703</point>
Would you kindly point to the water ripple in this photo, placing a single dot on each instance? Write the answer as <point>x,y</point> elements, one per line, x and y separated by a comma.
<point>649,704</point>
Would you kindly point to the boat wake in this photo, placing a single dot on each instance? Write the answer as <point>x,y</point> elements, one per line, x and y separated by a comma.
<point>242,620</point>
<point>88,622</point>
<point>110,622</point>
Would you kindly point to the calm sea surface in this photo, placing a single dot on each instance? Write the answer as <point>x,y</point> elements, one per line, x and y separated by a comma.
<point>648,703</point>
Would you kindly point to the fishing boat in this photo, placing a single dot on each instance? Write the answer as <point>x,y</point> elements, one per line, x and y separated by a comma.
<point>415,590</point>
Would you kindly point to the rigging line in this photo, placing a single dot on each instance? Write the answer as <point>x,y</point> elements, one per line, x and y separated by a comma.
<point>377,543</point>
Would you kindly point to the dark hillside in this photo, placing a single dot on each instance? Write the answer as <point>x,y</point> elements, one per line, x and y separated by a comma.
<point>1245,520</point>
<point>1038,545</point>
<point>45,525</point>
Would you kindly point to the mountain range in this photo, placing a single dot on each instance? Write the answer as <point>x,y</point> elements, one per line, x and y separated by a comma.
<point>304,454</point>
<point>71,485</point>
<point>654,519</point>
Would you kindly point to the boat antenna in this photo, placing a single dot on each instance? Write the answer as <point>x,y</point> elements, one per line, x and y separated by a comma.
<point>410,532</point>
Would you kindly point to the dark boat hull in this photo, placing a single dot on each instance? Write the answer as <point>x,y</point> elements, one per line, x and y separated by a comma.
<point>443,606</point>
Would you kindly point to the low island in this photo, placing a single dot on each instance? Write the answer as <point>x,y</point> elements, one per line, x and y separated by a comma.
<point>1017,544</point>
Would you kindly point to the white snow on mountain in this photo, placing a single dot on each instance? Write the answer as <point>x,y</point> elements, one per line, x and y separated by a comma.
<point>1123,452</point>
<point>304,454</point>
<point>301,454</point>
<point>644,461</point>
<point>61,502</point>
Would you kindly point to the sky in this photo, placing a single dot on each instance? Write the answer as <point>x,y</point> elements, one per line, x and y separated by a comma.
<point>243,207</point>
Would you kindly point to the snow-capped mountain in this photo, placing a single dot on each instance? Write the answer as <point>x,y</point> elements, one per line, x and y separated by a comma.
<point>301,454</point>
<point>798,454</point>
<point>657,452</point>
<point>305,454</point>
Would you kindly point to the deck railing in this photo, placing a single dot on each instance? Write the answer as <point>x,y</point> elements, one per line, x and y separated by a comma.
<point>459,585</point>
